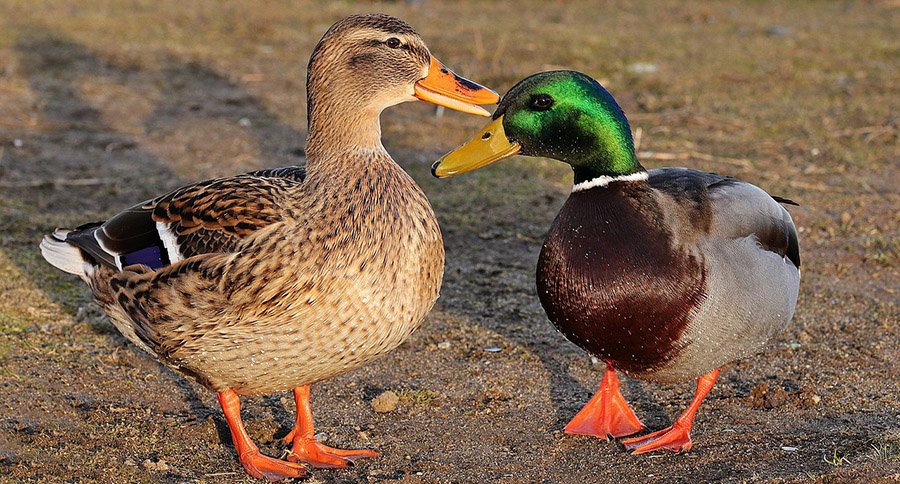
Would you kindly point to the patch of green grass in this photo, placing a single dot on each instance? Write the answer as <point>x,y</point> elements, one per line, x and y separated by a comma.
<point>882,250</point>
<point>886,452</point>
<point>6,373</point>
<point>418,396</point>
<point>14,322</point>
<point>835,460</point>
<point>887,448</point>
<point>5,346</point>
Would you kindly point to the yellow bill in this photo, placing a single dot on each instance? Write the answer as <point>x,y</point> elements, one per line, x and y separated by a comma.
<point>488,146</point>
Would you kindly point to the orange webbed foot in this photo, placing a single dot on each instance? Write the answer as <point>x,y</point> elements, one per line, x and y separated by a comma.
<point>676,438</point>
<point>271,469</point>
<point>316,454</point>
<point>256,464</point>
<point>607,413</point>
<point>305,448</point>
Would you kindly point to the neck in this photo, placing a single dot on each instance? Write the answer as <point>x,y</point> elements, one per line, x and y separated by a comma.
<point>610,151</point>
<point>339,118</point>
<point>604,180</point>
<point>609,163</point>
<point>338,127</point>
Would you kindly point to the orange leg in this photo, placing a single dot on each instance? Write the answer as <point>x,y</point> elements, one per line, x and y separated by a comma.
<point>307,449</point>
<point>256,464</point>
<point>677,437</point>
<point>607,413</point>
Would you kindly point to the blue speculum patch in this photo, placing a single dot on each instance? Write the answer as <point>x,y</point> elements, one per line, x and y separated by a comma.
<point>154,257</point>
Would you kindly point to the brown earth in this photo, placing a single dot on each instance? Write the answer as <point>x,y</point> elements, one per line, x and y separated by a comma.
<point>103,104</point>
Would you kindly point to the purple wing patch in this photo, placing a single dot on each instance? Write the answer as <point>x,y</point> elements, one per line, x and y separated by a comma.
<point>154,257</point>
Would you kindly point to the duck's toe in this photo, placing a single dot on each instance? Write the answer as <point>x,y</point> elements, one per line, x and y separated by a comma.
<point>271,469</point>
<point>606,414</point>
<point>676,438</point>
<point>316,454</point>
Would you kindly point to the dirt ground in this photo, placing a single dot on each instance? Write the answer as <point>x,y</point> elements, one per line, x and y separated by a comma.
<point>104,104</point>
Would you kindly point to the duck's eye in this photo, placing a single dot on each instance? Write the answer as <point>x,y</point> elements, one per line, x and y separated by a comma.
<point>393,43</point>
<point>542,102</point>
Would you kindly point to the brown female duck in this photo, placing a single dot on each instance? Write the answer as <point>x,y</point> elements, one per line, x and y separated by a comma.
<point>666,275</point>
<point>278,279</point>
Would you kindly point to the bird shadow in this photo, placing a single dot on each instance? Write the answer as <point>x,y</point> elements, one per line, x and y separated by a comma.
<point>116,167</point>
<point>509,307</point>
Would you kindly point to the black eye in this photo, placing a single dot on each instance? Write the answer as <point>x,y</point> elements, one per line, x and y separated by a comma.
<point>393,42</point>
<point>542,102</point>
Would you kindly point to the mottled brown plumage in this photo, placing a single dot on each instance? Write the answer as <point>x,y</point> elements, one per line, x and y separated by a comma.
<point>281,278</point>
<point>327,274</point>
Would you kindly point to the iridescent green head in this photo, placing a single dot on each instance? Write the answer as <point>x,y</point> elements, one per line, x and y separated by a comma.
<point>564,115</point>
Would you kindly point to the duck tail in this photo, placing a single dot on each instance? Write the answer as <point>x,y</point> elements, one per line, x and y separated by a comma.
<point>784,201</point>
<point>62,255</point>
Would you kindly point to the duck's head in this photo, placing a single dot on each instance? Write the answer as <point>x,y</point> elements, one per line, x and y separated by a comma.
<point>373,61</point>
<point>565,115</point>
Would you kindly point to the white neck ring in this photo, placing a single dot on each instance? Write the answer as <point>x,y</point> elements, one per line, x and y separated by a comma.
<point>604,180</point>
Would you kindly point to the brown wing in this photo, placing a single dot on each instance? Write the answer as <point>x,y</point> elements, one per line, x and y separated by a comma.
<point>211,216</point>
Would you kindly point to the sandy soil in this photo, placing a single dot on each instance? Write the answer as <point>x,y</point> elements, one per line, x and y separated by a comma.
<point>105,105</point>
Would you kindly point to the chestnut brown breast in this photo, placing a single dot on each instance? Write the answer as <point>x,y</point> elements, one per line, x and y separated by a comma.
<point>611,281</point>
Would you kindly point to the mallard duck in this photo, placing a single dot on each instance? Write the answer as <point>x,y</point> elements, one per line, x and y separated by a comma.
<point>277,279</point>
<point>665,274</point>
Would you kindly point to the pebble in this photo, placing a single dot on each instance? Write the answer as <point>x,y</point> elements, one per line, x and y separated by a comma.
<point>763,396</point>
<point>780,31</point>
<point>386,402</point>
<point>789,449</point>
<point>643,68</point>
<point>443,345</point>
<point>159,466</point>
<point>493,349</point>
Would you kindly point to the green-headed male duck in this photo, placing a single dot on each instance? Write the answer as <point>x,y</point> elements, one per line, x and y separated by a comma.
<point>665,274</point>
<point>278,279</point>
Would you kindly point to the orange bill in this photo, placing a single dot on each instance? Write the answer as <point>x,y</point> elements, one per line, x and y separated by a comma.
<point>443,87</point>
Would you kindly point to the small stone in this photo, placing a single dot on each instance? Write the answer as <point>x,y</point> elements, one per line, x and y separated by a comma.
<point>764,397</point>
<point>808,398</point>
<point>160,466</point>
<point>779,31</point>
<point>244,122</point>
<point>386,402</point>
<point>443,345</point>
<point>493,349</point>
<point>129,462</point>
<point>788,449</point>
<point>642,68</point>
<point>18,143</point>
